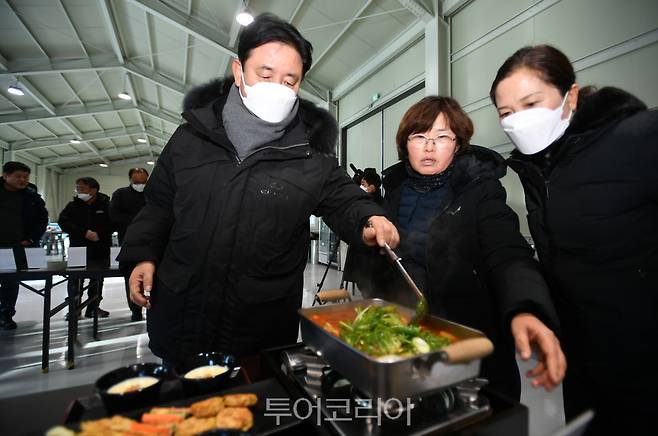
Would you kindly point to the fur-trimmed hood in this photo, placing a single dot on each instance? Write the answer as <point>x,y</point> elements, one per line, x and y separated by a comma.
<point>205,102</point>
<point>478,163</point>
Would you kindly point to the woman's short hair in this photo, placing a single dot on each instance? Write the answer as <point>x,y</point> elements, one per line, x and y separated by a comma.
<point>420,118</point>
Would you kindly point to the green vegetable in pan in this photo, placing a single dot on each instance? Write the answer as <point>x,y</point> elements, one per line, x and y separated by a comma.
<point>380,331</point>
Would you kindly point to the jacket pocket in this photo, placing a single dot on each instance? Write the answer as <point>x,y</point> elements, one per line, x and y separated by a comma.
<point>180,259</point>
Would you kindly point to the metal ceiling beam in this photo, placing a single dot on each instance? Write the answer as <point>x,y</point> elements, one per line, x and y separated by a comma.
<point>34,67</point>
<point>340,34</point>
<point>27,86</point>
<point>69,125</point>
<point>89,109</point>
<point>104,155</point>
<point>33,92</point>
<point>149,38</point>
<point>4,65</point>
<point>114,162</point>
<point>65,111</point>
<point>450,7</point>
<point>29,68</point>
<point>188,40</point>
<point>75,32</point>
<point>411,35</point>
<point>73,91</point>
<point>193,26</point>
<point>165,116</point>
<point>4,4</point>
<point>232,39</point>
<point>64,140</point>
<point>92,64</point>
<point>110,24</point>
<point>417,9</point>
<point>300,3</point>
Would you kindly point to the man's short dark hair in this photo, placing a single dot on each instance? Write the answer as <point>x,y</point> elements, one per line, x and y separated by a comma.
<point>89,181</point>
<point>137,170</point>
<point>11,167</point>
<point>370,175</point>
<point>270,28</point>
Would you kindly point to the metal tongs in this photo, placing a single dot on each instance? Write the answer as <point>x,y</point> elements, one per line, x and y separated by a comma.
<point>421,307</point>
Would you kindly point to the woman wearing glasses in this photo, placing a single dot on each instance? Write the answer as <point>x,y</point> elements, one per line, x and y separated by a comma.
<point>461,244</point>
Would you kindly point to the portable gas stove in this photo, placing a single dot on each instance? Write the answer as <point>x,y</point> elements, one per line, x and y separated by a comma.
<point>335,406</point>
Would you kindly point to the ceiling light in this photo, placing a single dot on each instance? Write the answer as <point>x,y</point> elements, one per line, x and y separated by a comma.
<point>142,140</point>
<point>104,165</point>
<point>74,141</point>
<point>150,162</point>
<point>244,18</point>
<point>124,96</point>
<point>15,90</point>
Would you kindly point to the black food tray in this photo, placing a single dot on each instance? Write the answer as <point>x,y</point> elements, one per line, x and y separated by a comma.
<point>91,408</point>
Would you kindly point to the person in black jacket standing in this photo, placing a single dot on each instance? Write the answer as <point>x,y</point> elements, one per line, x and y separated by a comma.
<point>23,219</point>
<point>588,162</point>
<point>124,206</point>
<point>222,242</point>
<point>461,244</point>
<point>86,219</point>
<point>358,259</point>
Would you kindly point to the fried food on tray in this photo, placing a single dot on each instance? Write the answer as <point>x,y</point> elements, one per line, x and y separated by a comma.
<point>239,418</point>
<point>107,426</point>
<point>207,408</point>
<point>240,400</point>
<point>193,426</point>
<point>183,411</point>
<point>220,412</point>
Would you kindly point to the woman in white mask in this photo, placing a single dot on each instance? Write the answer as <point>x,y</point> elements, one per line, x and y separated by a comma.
<point>588,162</point>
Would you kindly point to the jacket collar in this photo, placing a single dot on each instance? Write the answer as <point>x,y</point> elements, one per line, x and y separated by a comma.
<point>478,163</point>
<point>203,106</point>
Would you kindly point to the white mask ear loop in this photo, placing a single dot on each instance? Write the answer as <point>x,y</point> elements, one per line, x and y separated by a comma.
<point>244,84</point>
<point>564,101</point>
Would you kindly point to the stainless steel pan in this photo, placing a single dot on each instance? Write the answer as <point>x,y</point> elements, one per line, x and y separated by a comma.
<point>405,377</point>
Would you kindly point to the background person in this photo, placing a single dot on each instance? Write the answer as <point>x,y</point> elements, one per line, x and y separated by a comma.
<point>588,165</point>
<point>86,219</point>
<point>461,244</point>
<point>23,220</point>
<point>125,204</point>
<point>358,258</point>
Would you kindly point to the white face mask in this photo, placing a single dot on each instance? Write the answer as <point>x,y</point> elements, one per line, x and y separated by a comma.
<point>365,188</point>
<point>139,187</point>
<point>269,101</point>
<point>84,197</point>
<point>532,130</point>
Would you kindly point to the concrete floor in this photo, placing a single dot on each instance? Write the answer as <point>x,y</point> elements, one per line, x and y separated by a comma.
<point>124,342</point>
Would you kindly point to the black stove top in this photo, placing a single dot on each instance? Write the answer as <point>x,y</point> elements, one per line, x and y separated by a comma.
<point>329,402</point>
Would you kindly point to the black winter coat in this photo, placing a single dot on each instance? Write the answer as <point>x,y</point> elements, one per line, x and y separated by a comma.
<point>35,215</point>
<point>593,212</point>
<point>124,206</point>
<point>79,216</point>
<point>230,237</point>
<point>480,270</point>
